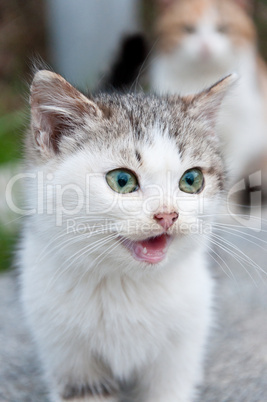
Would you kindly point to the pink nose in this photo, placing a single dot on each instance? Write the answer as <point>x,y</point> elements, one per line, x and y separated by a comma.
<point>166,220</point>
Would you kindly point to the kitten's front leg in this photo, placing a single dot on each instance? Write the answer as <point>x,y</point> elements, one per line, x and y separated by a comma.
<point>86,393</point>
<point>89,399</point>
<point>88,380</point>
<point>174,376</point>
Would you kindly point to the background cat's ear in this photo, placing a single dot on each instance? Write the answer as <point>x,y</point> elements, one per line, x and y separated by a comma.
<point>247,5</point>
<point>57,110</point>
<point>207,103</point>
<point>163,5</point>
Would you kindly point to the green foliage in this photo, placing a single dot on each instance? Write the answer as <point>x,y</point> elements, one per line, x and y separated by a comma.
<point>8,240</point>
<point>12,126</point>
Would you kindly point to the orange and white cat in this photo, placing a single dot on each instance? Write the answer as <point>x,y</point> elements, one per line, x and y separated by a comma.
<point>199,42</point>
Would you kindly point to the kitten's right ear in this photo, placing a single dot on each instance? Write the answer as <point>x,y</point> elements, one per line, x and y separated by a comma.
<point>205,105</point>
<point>58,110</point>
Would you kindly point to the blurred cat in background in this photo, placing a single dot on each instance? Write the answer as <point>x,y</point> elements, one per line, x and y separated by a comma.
<point>200,41</point>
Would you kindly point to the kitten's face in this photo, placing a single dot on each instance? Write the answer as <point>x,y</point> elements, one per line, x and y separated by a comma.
<point>133,173</point>
<point>205,33</point>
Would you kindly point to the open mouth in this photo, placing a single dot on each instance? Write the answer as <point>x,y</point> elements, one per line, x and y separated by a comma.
<point>151,250</point>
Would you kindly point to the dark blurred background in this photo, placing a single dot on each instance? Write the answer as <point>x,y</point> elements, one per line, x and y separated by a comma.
<point>79,39</point>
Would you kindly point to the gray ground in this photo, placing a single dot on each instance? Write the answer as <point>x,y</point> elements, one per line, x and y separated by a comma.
<point>236,367</point>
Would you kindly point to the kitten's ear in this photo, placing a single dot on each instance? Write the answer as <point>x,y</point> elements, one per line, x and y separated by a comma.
<point>57,109</point>
<point>207,103</point>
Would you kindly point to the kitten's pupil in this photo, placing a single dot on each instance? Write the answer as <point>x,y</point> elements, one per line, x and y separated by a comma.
<point>123,179</point>
<point>190,179</point>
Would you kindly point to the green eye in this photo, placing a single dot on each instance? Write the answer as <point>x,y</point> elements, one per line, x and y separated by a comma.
<point>192,181</point>
<point>122,181</point>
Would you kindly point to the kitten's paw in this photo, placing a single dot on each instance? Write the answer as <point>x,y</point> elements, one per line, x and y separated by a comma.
<point>88,393</point>
<point>91,399</point>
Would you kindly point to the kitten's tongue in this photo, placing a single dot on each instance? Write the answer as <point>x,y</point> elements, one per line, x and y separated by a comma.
<point>151,250</point>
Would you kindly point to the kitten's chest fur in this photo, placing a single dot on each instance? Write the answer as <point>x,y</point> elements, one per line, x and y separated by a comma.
<point>121,318</point>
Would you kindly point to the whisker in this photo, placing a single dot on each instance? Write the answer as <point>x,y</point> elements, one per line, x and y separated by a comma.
<point>114,245</point>
<point>229,225</point>
<point>246,258</point>
<point>106,251</point>
<point>230,232</point>
<point>141,70</point>
<point>71,240</point>
<point>234,215</point>
<point>217,262</point>
<point>13,220</point>
<point>64,234</point>
<point>232,254</point>
<point>239,258</point>
<point>88,248</point>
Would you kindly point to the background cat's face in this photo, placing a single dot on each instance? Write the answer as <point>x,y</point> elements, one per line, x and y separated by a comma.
<point>81,145</point>
<point>205,33</point>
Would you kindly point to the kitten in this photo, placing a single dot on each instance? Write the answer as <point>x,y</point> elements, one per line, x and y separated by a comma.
<point>199,41</point>
<point>114,276</point>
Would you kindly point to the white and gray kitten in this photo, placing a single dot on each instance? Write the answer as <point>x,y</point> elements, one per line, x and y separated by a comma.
<point>114,276</point>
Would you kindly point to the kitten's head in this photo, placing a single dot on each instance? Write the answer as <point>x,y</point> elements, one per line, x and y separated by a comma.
<point>205,33</point>
<point>126,177</point>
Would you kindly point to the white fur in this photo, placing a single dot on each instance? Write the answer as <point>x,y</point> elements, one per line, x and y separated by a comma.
<point>147,323</point>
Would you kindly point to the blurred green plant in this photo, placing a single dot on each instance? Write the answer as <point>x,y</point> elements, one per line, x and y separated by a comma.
<point>11,128</point>
<point>8,240</point>
<point>12,125</point>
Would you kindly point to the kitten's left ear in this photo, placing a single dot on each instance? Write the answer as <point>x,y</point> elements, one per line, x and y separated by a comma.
<point>205,105</point>
<point>58,111</point>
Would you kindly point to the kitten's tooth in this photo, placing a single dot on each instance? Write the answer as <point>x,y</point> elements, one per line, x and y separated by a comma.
<point>145,250</point>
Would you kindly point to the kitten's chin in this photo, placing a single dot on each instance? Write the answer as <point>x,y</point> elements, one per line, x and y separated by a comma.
<point>152,250</point>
